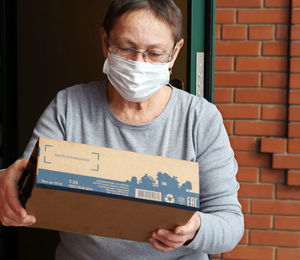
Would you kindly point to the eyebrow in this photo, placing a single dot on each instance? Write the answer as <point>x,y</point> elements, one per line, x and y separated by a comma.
<point>129,42</point>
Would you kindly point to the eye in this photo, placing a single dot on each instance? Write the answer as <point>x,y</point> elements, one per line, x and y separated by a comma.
<point>125,49</point>
<point>155,54</point>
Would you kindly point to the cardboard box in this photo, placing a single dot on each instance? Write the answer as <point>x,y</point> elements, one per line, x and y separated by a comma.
<point>101,191</point>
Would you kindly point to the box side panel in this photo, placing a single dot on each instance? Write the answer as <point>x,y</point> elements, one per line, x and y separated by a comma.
<point>110,217</point>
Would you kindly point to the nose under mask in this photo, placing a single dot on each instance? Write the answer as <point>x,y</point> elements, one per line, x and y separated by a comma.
<point>135,81</point>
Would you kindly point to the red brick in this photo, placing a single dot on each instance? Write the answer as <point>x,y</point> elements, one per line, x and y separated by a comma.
<point>274,96</point>
<point>275,238</point>
<point>295,64</point>
<point>295,32</point>
<point>275,48</point>
<point>238,3</point>
<point>294,113</point>
<point>293,178</point>
<point>286,161</point>
<point>295,16</point>
<point>232,111</point>
<point>295,48</point>
<point>272,176</point>
<point>294,80</point>
<point>273,145</point>
<point>236,79</point>
<point>296,3</point>
<point>294,130</point>
<point>276,3</point>
<point>245,239</point>
<point>258,221</point>
<point>224,63</point>
<point>288,192</point>
<point>282,32</point>
<point>274,112</point>
<point>287,223</point>
<point>260,128</point>
<point>261,64</point>
<point>276,80</point>
<point>237,48</point>
<point>218,32</point>
<point>261,32</point>
<point>225,16</point>
<point>294,97</point>
<point>241,143</point>
<point>294,145</point>
<point>263,16</point>
<point>229,126</point>
<point>288,253</point>
<point>223,95</point>
<point>244,252</point>
<point>252,159</point>
<point>277,207</point>
<point>249,190</point>
<point>234,32</point>
<point>247,174</point>
<point>245,203</point>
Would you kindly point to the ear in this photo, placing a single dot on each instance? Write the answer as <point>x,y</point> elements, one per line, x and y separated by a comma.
<point>178,46</point>
<point>104,41</point>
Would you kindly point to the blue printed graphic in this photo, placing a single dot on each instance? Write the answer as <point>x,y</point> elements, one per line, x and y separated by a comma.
<point>165,189</point>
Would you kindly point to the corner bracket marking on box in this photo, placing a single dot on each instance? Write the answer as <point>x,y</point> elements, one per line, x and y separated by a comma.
<point>98,157</point>
<point>46,147</point>
<point>200,74</point>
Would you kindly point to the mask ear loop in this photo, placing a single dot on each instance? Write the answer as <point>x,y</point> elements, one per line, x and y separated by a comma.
<point>171,69</point>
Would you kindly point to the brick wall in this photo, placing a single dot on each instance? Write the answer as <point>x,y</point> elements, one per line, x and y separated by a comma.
<point>257,89</point>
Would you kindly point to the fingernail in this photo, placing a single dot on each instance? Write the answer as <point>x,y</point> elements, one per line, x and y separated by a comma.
<point>160,232</point>
<point>29,220</point>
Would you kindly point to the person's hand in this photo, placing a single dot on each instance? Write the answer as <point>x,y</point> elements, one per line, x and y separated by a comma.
<point>11,211</point>
<point>165,240</point>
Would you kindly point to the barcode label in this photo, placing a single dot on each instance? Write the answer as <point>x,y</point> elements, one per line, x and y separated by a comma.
<point>148,195</point>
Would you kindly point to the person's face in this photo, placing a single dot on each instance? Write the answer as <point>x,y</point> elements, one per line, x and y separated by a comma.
<point>140,30</point>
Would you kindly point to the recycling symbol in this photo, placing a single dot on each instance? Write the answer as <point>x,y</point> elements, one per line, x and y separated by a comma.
<point>170,198</point>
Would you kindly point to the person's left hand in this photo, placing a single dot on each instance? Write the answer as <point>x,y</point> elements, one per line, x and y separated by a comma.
<point>165,240</point>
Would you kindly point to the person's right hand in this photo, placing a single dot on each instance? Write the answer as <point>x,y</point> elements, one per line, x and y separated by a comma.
<point>11,211</point>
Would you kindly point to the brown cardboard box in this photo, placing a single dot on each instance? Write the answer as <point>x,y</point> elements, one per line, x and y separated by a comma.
<point>101,191</point>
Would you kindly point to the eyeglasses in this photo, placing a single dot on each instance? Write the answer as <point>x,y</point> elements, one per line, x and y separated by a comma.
<point>148,56</point>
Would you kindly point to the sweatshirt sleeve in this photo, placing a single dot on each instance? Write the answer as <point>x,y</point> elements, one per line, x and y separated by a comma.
<point>222,223</point>
<point>51,124</point>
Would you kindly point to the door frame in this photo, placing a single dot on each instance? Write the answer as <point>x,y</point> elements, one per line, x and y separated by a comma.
<point>201,42</point>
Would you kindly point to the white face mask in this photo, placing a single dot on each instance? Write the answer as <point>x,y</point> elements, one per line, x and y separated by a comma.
<point>135,81</point>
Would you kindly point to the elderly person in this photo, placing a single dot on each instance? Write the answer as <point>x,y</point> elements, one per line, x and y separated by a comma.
<point>138,110</point>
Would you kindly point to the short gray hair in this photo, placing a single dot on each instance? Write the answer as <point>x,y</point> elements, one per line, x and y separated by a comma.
<point>164,10</point>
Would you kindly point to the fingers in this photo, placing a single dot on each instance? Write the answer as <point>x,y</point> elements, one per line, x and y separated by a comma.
<point>11,189</point>
<point>9,219</point>
<point>164,240</point>
<point>190,227</point>
<point>156,244</point>
<point>13,202</point>
<point>11,211</point>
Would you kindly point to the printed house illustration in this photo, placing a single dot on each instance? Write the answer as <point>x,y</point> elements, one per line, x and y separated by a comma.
<point>165,188</point>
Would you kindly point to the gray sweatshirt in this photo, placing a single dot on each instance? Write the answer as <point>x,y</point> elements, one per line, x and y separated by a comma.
<point>189,128</point>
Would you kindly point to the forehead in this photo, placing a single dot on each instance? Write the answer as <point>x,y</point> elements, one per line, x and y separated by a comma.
<point>142,28</point>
